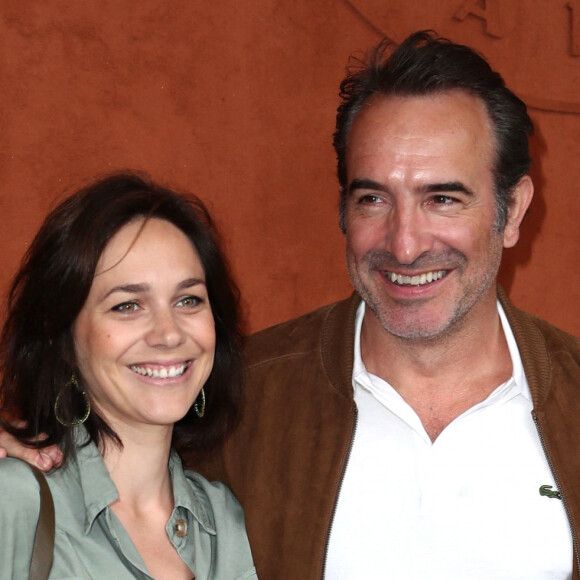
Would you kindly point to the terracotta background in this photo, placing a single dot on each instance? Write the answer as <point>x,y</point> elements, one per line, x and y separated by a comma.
<point>235,101</point>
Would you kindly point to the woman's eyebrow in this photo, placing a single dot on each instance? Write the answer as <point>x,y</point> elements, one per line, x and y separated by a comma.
<point>190,282</point>
<point>143,287</point>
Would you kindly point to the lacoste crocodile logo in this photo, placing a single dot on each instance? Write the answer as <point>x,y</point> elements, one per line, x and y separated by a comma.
<point>549,492</point>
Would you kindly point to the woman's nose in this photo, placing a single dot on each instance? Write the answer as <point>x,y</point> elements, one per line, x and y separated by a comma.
<point>165,331</point>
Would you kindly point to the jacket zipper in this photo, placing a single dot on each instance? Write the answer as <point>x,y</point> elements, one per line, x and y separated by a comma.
<point>333,514</point>
<point>562,496</point>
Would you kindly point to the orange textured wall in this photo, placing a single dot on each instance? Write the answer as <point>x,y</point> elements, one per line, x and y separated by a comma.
<point>235,101</point>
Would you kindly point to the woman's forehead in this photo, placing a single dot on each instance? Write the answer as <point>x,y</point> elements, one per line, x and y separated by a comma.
<point>148,244</point>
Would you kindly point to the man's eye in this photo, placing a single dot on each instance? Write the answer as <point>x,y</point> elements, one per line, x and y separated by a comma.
<point>126,307</point>
<point>443,200</point>
<point>369,199</point>
<point>190,302</point>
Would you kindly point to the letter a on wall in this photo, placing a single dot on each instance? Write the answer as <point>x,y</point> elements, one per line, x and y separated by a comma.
<point>487,10</point>
<point>574,6</point>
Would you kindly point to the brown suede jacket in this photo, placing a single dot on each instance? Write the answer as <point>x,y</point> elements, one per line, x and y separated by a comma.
<point>286,460</point>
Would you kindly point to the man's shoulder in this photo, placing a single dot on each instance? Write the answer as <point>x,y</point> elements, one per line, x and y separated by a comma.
<point>297,336</point>
<point>562,348</point>
<point>550,356</point>
<point>556,336</point>
<point>533,332</point>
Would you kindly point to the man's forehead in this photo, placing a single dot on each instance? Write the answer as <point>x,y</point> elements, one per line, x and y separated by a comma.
<point>439,102</point>
<point>405,121</point>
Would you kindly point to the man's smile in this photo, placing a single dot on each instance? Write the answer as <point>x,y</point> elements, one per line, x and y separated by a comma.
<point>417,280</point>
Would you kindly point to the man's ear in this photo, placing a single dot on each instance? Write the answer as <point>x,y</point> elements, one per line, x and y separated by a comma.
<point>522,196</point>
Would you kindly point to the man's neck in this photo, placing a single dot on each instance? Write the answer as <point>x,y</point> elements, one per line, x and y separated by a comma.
<point>440,378</point>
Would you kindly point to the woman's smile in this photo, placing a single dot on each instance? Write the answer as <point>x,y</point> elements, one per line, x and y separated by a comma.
<point>158,371</point>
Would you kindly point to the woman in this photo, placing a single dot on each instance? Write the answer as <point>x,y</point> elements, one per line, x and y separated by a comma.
<point>120,345</point>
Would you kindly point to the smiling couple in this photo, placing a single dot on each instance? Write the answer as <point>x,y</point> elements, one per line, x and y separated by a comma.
<point>410,431</point>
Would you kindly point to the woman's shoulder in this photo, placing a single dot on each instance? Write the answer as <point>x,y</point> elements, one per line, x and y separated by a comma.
<point>19,509</point>
<point>19,495</point>
<point>18,487</point>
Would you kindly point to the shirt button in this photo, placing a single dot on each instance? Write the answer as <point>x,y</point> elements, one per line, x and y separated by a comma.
<point>181,528</point>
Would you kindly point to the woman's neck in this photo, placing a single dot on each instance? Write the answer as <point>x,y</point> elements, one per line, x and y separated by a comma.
<point>139,469</point>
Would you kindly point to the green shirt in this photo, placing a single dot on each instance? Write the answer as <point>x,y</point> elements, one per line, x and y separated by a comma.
<point>91,542</point>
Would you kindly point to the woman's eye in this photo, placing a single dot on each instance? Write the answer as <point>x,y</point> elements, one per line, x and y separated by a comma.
<point>190,301</point>
<point>126,307</point>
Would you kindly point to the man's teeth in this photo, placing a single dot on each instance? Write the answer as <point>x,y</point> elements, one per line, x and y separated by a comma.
<point>419,280</point>
<point>160,373</point>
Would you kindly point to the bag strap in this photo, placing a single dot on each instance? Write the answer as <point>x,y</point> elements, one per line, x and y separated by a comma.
<point>43,549</point>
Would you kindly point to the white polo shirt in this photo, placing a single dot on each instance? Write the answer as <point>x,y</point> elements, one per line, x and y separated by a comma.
<point>465,507</point>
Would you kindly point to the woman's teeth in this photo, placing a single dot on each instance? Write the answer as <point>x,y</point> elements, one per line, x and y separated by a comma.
<point>160,373</point>
<point>419,280</point>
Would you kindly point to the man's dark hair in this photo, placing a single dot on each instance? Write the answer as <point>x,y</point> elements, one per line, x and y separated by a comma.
<point>51,287</point>
<point>425,64</point>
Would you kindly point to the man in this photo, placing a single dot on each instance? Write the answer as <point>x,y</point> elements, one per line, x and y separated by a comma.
<point>430,430</point>
<point>427,431</point>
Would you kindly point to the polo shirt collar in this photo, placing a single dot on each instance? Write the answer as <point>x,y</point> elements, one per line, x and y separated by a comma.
<point>518,381</point>
<point>518,374</point>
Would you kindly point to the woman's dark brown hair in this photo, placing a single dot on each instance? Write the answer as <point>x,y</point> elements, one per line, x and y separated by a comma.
<point>51,287</point>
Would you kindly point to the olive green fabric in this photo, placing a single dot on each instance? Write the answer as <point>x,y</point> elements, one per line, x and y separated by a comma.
<point>91,542</point>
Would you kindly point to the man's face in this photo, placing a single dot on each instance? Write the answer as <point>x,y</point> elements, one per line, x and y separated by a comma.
<point>420,211</point>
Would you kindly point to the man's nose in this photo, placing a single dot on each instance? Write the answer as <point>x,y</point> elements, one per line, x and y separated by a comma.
<point>407,234</point>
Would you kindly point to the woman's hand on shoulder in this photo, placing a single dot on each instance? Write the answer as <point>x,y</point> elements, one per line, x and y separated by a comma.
<point>45,459</point>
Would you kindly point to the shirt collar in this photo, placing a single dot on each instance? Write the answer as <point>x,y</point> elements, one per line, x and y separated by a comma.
<point>517,366</point>
<point>96,487</point>
<point>360,373</point>
<point>185,497</point>
<point>358,368</point>
<point>98,490</point>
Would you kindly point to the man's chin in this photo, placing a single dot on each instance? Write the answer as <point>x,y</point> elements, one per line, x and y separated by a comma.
<point>415,325</point>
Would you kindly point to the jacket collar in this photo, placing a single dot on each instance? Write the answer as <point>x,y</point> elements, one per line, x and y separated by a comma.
<point>532,347</point>
<point>337,338</point>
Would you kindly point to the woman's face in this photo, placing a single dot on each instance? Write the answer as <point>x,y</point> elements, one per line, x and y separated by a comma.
<point>145,337</point>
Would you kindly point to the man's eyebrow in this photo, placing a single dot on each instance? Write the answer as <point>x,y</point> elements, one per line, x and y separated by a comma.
<point>446,187</point>
<point>363,183</point>
<point>138,288</point>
